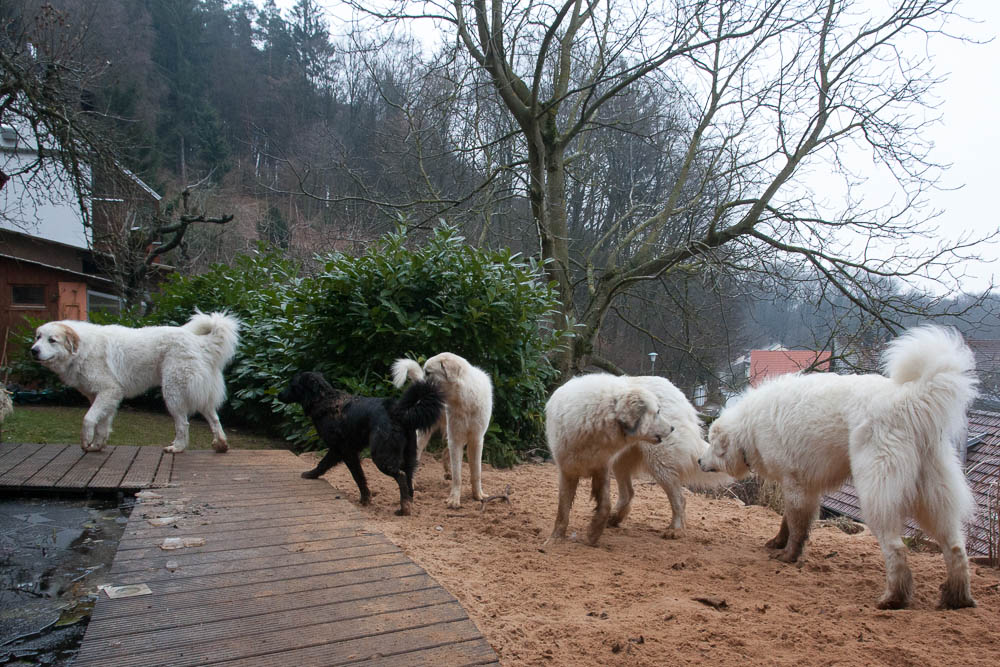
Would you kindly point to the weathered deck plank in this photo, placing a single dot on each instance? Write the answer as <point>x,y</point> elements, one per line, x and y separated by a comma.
<point>30,466</point>
<point>288,574</point>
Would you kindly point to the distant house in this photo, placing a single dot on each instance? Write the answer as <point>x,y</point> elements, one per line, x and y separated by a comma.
<point>766,364</point>
<point>48,268</point>
<point>981,459</point>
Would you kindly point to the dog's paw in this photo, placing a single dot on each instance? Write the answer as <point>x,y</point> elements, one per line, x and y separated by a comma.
<point>311,474</point>
<point>454,504</point>
<point>366,500</point>
<point>220,446</point>
<point>673,533</point>
<point>892,601</point>
<point>173,449</point>
<point>956,597</point>
<point>785,557</point>
<point>776,543</point>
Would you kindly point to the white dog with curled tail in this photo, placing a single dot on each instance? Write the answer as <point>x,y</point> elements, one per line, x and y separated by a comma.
<point>897,434</point>
<point>107,363</point>
<point>468,406</point>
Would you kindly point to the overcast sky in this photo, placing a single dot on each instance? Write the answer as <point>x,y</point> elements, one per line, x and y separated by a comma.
<point>969,135</point>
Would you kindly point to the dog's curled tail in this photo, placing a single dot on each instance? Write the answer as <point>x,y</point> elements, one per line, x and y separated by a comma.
<point>406,369</point>
<point>939,369</point>
<point>420,406</point>
<point>936,354</point>
<point>223,330</point>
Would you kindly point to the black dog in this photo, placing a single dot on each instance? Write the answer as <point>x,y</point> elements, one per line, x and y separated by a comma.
<point>348,424</point>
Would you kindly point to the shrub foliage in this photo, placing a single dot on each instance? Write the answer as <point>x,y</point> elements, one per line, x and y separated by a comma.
<point>357,314</point>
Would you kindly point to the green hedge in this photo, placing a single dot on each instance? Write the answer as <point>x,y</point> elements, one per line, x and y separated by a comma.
<point>354,317</point>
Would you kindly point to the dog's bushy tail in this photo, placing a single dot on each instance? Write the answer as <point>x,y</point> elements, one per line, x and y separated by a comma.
<point>936,370</point>
<point>938,362</point>
<point>420,406</point>
<point>406,369</point>
<point>223,332</point>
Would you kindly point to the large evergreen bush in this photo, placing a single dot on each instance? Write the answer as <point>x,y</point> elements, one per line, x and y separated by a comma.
<point>358,314</point>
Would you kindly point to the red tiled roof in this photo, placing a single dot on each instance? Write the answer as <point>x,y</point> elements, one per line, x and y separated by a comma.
<point>770,363</point>
<point>982,469</point>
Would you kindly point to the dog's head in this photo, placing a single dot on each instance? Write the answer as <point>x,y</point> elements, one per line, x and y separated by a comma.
<point>444,368</point>
<point>726,453</point>
<point>306,388</point>
<point>55,343</point>
<point>639,416</point>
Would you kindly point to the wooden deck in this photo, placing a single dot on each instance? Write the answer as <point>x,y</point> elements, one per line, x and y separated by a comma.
<point>48,468</point>
<point>287,575</point>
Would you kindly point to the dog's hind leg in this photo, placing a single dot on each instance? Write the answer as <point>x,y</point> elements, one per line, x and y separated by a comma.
<point>601,491</point>
<point>624,467</point>
<point>475,455</point>
<point>567,492</point>
<point>883,485</point>
<point>456,446</point>
<point>781,539</point>
<point>945,499</point>
<point>405,496</point>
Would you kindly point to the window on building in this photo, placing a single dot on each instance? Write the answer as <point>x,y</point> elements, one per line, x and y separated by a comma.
<point>27,296</point>
<point>100,301</point>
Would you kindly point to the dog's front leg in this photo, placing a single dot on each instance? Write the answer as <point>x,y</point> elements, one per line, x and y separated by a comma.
<point>97,422</point>
<point>354,465</point>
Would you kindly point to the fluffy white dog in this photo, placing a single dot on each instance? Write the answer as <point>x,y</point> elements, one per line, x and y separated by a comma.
<point>588,421</point>
<point>673,463</point>
<point>896,434</point>
<point>107,363</point>
<point>468,406</point>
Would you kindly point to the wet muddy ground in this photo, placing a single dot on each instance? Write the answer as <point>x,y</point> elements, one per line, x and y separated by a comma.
<point>54,553</point>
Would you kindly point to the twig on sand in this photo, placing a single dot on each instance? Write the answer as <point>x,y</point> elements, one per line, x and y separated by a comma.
<point>505,496</point>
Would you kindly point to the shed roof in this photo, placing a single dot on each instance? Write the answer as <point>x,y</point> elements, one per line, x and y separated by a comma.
<point>982,469</point>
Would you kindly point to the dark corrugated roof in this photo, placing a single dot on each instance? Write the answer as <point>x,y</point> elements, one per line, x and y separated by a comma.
<point>982,469</point>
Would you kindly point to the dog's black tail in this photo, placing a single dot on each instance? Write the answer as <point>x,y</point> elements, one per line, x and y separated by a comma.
<point>420,406</point>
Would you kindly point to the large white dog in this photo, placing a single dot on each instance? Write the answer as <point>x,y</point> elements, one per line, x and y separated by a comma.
<point>468,406</point>
<point>588,421</point>
<point>896,434</point>
<point>107,363</point>
<point>673,463</point>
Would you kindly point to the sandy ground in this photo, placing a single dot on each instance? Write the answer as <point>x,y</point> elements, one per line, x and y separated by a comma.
<point>711,597</point>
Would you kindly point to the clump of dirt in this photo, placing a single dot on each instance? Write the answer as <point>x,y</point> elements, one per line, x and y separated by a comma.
<point>713,596</point>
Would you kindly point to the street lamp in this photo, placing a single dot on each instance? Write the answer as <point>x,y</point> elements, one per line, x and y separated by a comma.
<point>652,363</point>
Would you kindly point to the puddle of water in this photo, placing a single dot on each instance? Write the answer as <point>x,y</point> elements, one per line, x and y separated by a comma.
<point>54,553</point>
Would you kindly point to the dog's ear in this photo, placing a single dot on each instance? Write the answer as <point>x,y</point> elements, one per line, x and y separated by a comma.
<point>719,439</point>
<point>72,338</point>
<point>631,408</point>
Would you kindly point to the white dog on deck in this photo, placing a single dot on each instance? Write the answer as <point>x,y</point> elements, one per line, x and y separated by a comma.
<point>107,363</point>
<point>896,434</point>
<point>588,421</point>
<point>468,406</point>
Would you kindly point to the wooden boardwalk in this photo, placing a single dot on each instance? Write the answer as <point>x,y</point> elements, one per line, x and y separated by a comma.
<point>284,571</point>
<point>47,468</point>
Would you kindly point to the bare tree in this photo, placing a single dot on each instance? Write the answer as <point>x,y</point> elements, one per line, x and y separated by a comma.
<point>132,239</point>
<point>44,78</point>
<point>768,91</point>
